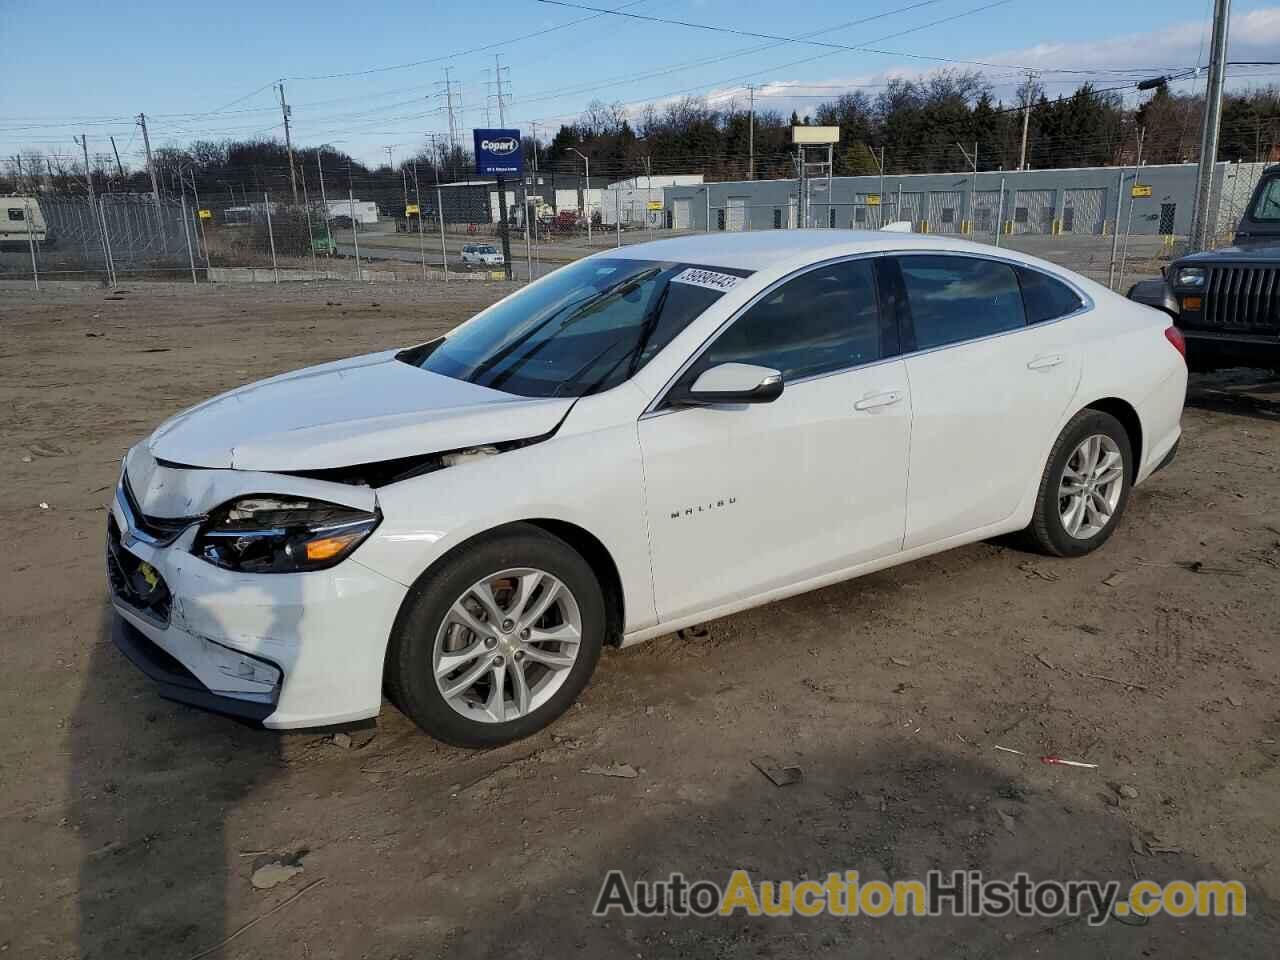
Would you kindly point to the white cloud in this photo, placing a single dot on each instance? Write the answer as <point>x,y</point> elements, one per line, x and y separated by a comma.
<point>1108,62</point>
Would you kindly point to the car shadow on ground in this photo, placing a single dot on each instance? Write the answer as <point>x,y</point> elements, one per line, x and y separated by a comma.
<point>1244,392</point>
<point>893,812</point>
<point>152,784</point>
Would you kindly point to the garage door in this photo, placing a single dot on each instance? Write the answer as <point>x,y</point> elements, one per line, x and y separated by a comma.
<point>737,214</point>
<point>986,212</point>
<point>680,219</point>
<point>912,208</point>
<point>944,211</point>
<point>1033,211</point>
<point>1083,211</point>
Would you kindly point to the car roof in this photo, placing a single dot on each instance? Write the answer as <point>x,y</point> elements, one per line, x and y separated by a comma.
<point>757,250</point>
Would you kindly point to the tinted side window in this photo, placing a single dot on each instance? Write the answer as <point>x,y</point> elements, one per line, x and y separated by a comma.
<point>1046,298</point>
<point>953,299</point>
<point>824,320</point>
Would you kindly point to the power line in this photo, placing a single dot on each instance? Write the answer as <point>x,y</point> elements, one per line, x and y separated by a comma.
<point>861,48</point>
<point>462,53</point>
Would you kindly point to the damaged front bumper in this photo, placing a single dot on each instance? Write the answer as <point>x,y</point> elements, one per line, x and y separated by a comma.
<point>284,650</point>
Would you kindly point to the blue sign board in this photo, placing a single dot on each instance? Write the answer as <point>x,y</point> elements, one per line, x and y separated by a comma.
<point>498,153</point>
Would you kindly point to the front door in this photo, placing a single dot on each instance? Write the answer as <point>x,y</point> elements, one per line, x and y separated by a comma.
<point>746,498</point>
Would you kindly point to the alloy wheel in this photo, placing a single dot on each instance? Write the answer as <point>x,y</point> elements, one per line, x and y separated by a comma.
<point>507,644</point>
<point>1091,485</point>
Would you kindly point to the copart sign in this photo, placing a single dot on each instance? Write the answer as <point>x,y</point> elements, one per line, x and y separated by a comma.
<point>498,153</point>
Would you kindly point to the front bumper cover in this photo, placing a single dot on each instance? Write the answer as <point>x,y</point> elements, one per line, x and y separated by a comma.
<point>175,682</point>
<point>289,651</point>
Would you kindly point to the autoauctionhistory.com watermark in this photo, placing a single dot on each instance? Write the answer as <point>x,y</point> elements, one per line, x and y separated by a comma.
<point>960,893</point>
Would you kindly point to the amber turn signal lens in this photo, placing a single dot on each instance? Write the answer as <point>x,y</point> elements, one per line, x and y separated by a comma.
<point>1190,303</point>
<point>329,547</point>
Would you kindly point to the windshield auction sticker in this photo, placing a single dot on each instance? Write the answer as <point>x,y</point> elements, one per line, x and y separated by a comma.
<point>707,278</point>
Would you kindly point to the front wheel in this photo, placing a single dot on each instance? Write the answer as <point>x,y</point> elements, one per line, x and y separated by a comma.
<point>1084,487</point>
<point>498,640</point>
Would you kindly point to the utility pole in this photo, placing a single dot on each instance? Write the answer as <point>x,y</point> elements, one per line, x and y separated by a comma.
<point>151,168</point>
<point>404,178</point>
<point>324,203</point>
<point>444,251</point>
<point>751,133</point>
<point>417,198</point>
<point>119,167</point>
<point>537,188</point>
<point>586,197</point>
<point>1026,118</point>
<point>973,184</point>
<point>1212,122</point>
<point>879,162</point>
<point>97,211</point>
<point>1137,175</point>
<point>285,111</point>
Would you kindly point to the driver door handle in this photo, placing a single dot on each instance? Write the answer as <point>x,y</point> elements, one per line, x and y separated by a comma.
<point>1045,361</point>
<point>885,399</point>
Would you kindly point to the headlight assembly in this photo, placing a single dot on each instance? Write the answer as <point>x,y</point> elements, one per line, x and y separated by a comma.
<point>274,534</point>
<point>1190,277</point>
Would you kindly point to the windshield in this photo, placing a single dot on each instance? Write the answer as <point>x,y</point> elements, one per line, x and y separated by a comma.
<point>587,327</point>
<point>1267,206</point>
<point>486,250</point>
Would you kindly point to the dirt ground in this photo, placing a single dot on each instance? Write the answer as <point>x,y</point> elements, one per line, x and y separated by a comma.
<point>130,827</point>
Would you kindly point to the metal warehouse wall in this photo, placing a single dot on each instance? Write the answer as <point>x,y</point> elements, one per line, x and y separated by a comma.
<point>1078,200</point>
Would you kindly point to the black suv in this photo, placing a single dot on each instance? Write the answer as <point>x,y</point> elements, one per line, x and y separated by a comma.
<point>1227,302</point>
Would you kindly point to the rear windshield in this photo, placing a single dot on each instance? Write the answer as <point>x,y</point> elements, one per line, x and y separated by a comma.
<point>1267,206</point>
<point>588,327</point>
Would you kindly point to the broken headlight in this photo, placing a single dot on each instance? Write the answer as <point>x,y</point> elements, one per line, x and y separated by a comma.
<point>274,534</point>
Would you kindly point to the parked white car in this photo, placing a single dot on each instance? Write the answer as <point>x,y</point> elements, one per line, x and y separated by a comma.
<point>482,255</point>
<point>646,439</point>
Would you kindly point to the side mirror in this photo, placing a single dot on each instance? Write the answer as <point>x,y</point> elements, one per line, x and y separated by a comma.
<point>732,383</point>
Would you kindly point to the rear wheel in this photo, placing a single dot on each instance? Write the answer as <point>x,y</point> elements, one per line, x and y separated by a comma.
<point>1085,486</point>
<point>498,640</point>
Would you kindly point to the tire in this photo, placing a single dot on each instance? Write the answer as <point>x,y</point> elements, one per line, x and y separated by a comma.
<point>1048,531</point>
<point>428,628</point>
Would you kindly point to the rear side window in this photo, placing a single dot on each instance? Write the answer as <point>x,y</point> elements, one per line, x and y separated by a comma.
<point>953,299</point>
<point>822,321</point>
<point>1046,298</point>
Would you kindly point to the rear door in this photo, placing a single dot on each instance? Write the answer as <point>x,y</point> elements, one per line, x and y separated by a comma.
<point>747,498</point>
<point>992,368</point>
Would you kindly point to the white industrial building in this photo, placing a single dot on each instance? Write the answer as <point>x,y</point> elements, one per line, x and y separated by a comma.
<point>640,200</point>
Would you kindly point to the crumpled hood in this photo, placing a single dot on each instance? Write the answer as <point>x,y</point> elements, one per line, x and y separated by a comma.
<point>363,410</point>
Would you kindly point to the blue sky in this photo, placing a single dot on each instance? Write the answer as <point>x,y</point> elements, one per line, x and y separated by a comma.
<point>202,71</point>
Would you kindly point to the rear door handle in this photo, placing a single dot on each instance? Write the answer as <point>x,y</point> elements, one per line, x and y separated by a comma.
<point>873,400</point>
<point>1045,361</point>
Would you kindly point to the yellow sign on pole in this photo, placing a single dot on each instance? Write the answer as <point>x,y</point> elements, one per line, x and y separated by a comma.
<point>410,209</point>
<point>873,199</point>
<point>1140,190</point>
<point>205,214</point>
<point>654,204</point>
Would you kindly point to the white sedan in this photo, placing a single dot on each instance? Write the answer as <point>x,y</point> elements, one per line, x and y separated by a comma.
<point>646,439</point>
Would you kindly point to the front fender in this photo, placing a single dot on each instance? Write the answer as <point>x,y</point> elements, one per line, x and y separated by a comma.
<point>1155,293</point>
<point>593,480</point>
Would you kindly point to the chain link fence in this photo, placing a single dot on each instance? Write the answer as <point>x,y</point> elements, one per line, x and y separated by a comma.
<point>1124,230</point>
